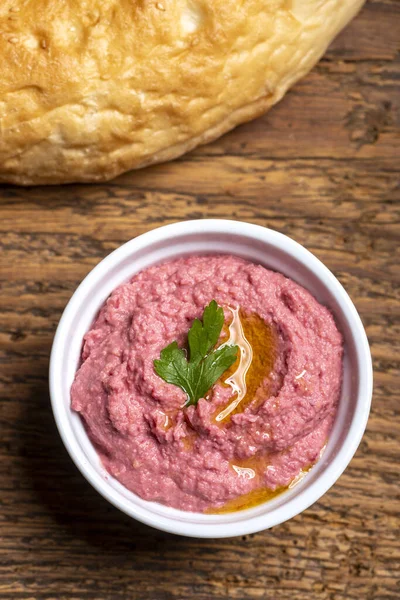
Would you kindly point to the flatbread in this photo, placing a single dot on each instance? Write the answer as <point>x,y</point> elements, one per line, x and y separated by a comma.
<point>92,88</point>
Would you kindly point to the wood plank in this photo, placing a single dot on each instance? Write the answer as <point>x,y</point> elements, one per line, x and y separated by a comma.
<point>322,167</point>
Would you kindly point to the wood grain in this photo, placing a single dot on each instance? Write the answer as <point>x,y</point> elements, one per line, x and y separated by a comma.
<point>322,167</point>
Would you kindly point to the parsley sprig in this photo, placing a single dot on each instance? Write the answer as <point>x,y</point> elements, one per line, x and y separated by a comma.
<point>205,365</point>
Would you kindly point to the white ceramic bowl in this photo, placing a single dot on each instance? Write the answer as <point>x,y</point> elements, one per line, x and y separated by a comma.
<point>273,250</point>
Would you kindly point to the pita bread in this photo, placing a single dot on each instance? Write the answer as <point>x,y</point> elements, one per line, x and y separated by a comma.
<point>92,88</point>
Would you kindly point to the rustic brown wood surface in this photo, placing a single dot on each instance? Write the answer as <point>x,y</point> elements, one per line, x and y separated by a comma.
<point>322,167</point>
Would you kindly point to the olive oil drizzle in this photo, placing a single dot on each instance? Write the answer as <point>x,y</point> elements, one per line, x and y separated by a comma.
<point>253,498</point>
<point>257,341</point>
<point>257,496</point>
<point>237,381</point>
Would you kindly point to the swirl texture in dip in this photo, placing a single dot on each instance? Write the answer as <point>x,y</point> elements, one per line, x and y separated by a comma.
<point>187,458</point>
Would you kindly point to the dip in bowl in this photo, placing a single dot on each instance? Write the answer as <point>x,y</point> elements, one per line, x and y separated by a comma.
<point>240,458</point>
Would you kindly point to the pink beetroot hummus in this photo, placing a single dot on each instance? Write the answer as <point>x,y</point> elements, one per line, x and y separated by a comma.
<point>180,456</point>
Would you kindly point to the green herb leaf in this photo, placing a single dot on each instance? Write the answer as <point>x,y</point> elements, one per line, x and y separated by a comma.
<point>205,365</point>
<point>202,337</point>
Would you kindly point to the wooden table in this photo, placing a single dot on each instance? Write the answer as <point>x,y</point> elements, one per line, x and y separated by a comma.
<point>322,167</point>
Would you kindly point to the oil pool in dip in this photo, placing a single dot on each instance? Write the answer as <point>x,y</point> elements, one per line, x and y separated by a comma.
<point>260,427</point>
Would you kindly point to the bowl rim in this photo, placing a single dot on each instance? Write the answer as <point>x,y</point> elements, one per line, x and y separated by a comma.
<point>310,494</point>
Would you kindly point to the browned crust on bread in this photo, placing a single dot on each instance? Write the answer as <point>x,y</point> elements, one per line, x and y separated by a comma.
<point>88,94</point>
